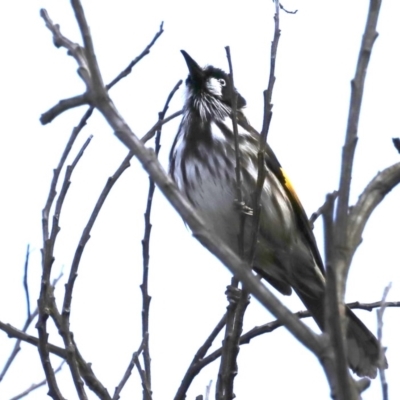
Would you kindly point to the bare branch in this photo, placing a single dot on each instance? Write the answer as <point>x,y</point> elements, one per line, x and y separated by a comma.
<point>263,137</point>
<point>17,347</point>
<point>147,394</point>
<point>194,368</point>
<point>323,209</point>
<point>13,332</point>
<point>146,250</point>
<point>327,212</point>
<point>85,368</point>
<point>98,92</point>
<point>78,51</point>
<point>62,106</point>
<point>36,385</point>
<point>238,168</point>
<point>357,89</point>
<point>56,174</point>
<point>235,313</point>
<point>230,349</point>
<point>86,233</point>
<point>26,285</point>
<point>200,362</point>
<point>379,315</point>
<point>371,197</point>
<point>287,11</point>
<point>144,53</point>
<point>128,371</point>
<point>46,304</point>
<point>340,379</point>
<point>339,258</point>
<point>74,50</point>
<point>158,125</point>
<point>271,81</point>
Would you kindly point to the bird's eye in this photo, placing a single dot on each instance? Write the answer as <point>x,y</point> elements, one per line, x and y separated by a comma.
<point>222,82</point>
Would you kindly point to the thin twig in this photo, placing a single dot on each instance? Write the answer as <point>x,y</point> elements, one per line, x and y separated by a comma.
<point>193,369</point>
<point>128,371</point>
<point>147,394</point>
<point>146,249</point>
<point>323,209</point>
<point>271,80</point>
<point>201,362</point>
<point>263,137</point>
<point>208,390</point>
<point>36,385</point>
<point>64,328</point>
<point>233,96</point>
<point>158,124</point>
<point>287,11</point>
<point>228,366</point>
<point>144,53</point>
<point>17,347</point>
<point>379,314</point>
<point>238,167</point>
<point>60,40</point>
<point>370,198</point>
<point>327,213</point>
<point>46,304</point>
<point>56,173</point>
<point>26,286</point>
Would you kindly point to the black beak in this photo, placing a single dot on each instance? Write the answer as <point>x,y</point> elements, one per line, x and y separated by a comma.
<point>195,71</point>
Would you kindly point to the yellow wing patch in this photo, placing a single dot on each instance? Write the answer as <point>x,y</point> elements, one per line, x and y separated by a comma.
<point>290,187</point>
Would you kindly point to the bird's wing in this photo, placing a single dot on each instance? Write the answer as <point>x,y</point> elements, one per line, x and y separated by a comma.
<point>302,221</point>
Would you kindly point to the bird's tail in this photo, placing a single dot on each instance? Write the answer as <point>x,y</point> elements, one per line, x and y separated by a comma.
<point>362,346</point>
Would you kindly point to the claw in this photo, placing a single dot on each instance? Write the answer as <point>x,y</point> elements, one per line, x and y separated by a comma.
<point>233,294</point>
<point>242,208</point>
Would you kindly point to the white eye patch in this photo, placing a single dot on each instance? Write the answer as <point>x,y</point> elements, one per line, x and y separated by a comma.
<point>215,85</point>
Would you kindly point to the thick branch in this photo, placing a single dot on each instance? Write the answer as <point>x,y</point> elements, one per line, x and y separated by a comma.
<point>338,261</point>
<point>357,90</point>
<point>370,198</point>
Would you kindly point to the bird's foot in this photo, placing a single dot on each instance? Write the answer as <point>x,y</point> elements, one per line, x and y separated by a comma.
<point>233,294</point>
<point>243,208</point>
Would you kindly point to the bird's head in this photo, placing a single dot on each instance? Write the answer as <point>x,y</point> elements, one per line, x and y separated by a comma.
<point>209,91</point>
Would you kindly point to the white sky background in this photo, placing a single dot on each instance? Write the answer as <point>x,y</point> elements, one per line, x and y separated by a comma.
<point>316,60</point>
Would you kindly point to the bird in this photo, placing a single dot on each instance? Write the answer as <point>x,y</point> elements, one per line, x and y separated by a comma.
<point>202,163</point>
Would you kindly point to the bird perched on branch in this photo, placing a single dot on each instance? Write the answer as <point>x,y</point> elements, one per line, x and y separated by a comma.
<point>202,163</point>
